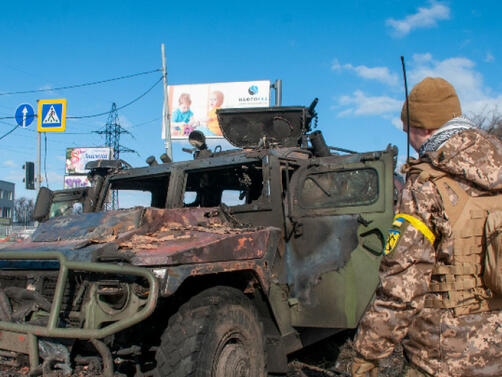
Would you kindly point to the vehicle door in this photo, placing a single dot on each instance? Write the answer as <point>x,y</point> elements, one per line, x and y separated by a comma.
<point>340,208</point>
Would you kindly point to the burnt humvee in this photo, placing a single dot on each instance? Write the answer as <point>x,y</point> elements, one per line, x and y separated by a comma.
<point>243,256</point>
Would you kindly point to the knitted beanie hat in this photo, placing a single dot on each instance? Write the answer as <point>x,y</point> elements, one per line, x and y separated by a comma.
<point>433,102</point>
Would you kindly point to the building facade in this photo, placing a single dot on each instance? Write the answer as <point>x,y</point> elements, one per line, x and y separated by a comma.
<point>7,196</point>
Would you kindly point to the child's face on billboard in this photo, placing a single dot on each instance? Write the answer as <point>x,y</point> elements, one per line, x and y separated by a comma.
<point>184,107</point>
<point>213,100</point>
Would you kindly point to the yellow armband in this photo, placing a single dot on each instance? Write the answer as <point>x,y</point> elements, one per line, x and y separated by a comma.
<point>416,223</point>
<point>395,233</point>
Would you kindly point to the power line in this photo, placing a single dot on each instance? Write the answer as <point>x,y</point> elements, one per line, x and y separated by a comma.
<point>81,85</point>
<point>118,108</point>
<point>7,123</point>
<point>8,133</point>
<point>143,123</point>
<point>53,134</point>
<point>140,124</point>
<point>20,135</point>
<point>74,133</point>
<point>106,112</point>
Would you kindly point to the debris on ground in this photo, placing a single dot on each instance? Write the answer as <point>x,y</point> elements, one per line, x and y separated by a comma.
<point>329,358</point>
<point>333,357</point>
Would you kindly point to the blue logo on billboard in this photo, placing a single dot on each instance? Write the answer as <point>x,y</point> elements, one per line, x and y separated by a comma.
<point>253,89</point>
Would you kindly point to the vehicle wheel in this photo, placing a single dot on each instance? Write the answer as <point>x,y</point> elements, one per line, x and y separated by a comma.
<point>215,334</point>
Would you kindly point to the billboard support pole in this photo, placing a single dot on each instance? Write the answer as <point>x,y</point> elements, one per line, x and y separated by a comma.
<point>37,180</point>
<point>277,86</point>
<point>166,126</point>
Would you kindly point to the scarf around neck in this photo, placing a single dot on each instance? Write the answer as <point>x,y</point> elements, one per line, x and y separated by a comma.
<point>443,134</point>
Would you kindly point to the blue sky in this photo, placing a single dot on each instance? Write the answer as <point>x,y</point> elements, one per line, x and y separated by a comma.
<point>346,53</point>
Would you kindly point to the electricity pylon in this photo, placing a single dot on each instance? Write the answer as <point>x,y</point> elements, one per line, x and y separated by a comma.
<point>112,133</point>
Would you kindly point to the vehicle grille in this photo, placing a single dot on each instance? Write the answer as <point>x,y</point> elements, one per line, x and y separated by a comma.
<point>45,282</point>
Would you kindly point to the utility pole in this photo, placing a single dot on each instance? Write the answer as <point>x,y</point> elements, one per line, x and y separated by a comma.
<point>166,124</point>
<point>39,159</point>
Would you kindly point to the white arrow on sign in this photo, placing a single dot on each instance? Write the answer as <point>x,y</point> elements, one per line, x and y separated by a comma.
<point>24,111</point>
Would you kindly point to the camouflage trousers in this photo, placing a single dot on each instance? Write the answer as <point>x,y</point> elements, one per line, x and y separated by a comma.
<point>409,371</point>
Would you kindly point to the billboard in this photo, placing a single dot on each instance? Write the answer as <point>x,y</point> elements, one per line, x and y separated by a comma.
<point>75,181</point>
<point>193,107</point>
<point>77,158</point>
<point>5,221</point>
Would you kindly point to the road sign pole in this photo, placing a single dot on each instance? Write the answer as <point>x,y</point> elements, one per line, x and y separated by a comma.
<point>166,124</point>
<point>37,180</point>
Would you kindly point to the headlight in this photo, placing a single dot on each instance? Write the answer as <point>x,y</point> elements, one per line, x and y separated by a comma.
<point>112,296</point>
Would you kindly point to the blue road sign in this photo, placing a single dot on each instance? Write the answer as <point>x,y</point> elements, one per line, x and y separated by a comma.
<point>24,115</point>
<point>51,115</point>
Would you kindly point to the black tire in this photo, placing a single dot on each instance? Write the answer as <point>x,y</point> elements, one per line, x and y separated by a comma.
<point>216,333</point>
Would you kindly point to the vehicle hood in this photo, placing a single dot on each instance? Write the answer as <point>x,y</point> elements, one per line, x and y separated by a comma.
<point>472,155</point>
<point>150,237</point>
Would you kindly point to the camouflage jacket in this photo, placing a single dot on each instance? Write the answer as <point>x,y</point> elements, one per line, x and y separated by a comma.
<point>434,339</point>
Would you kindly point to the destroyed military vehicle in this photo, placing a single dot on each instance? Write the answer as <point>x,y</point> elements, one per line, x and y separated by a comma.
<point>243,256</point>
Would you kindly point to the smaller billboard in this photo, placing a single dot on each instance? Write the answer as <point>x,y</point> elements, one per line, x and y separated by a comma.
<point>193,107</point>
<point>77,158</point>
<point>76,181</point>
<point>5,221</point>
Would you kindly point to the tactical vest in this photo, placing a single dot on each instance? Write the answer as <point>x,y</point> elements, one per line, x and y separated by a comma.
<point>460,286</point>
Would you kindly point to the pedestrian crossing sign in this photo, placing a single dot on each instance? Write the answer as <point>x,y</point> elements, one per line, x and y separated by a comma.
<point>51,115</point>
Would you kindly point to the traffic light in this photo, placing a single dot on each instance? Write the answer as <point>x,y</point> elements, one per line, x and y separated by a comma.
<point>29,175</point>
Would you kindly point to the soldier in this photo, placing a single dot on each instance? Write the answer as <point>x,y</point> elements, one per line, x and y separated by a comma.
<point>432,298</point>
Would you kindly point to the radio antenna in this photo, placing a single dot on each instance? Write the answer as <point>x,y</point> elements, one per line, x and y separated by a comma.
<point>407,112</point>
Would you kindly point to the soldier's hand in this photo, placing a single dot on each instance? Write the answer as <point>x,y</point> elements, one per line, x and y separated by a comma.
<point>363,368</point>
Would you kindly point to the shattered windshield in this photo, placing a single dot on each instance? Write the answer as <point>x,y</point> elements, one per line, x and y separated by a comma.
<point>340,188</point>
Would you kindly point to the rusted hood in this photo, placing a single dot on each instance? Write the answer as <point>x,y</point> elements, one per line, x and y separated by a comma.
<point>150,237</point>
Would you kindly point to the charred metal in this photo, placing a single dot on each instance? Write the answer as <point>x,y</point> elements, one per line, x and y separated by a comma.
<point>281,229</point>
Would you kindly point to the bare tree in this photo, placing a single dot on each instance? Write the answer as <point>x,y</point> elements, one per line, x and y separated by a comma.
<point>23,208</point>
<point>489,120</point>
